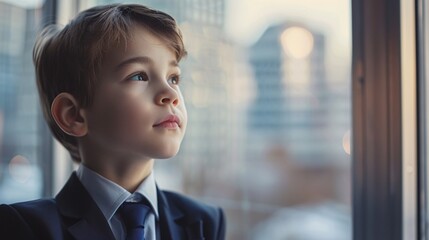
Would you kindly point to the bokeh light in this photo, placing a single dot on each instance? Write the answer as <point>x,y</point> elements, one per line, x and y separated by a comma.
<point>297,42</point>
<point>20,169</point>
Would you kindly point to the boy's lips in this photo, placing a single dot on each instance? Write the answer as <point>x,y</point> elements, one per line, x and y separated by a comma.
<point>171,121</point>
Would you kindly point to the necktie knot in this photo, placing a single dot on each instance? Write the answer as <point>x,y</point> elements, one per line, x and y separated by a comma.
<point>134,216</point>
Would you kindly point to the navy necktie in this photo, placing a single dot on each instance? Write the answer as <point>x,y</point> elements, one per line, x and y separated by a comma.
<point>134,216</point>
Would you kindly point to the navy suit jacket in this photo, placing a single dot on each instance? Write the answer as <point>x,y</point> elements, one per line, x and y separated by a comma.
<point>73,214</point>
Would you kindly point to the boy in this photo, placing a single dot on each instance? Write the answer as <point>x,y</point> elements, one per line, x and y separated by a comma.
<point>109,88</point>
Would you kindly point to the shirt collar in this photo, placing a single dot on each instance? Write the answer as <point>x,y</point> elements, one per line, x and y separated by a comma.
<point>109,196</point>
<point>148,189</point>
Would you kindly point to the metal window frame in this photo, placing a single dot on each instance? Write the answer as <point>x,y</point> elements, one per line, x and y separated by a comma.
<point>409,101</point>
<point>380,207</point>
<point>422,21</point>
<point>49,15</point>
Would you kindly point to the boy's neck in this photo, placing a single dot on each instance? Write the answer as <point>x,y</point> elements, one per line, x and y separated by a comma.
<point>127,174</point>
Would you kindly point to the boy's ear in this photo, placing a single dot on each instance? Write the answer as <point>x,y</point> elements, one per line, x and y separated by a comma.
<point>68,115</point>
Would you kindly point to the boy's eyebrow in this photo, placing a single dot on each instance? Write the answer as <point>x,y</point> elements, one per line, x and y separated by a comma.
<point>141,59</point>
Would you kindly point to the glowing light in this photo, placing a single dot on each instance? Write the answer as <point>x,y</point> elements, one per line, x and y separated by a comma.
<point>346,142</point>
<point>297,42</point>
<point>20,169</point>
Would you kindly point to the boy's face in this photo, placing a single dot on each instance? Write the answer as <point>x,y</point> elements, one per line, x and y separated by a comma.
<point>138,109</point>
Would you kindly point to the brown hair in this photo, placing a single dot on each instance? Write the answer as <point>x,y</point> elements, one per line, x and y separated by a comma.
<point>67,60</point>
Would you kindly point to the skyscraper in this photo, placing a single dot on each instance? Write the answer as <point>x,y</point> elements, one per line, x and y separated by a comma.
<point>294,101</point>
<point>296,125</point>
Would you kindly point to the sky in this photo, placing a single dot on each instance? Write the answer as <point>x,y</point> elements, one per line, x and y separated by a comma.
<point>246,20</point>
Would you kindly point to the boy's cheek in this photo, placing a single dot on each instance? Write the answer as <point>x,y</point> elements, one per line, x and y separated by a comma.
<point>118,115</point>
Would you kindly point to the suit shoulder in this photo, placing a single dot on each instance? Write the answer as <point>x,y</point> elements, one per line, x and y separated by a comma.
<point>35,207</point>
<point>14,225</point>
<point>35,210</point>
<point>37,217</point>
<point>192,206</point>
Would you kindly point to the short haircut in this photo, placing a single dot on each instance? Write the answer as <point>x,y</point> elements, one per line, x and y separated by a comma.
<point>68,59</point>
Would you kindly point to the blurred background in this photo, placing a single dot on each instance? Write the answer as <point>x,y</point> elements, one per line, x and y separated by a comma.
<point>267,87</point>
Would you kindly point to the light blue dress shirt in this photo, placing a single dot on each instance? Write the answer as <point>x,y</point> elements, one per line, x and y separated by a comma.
<point>109,196</point>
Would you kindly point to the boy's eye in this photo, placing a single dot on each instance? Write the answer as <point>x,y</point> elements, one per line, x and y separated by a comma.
<point>174,80</point>
<point>139,77</point>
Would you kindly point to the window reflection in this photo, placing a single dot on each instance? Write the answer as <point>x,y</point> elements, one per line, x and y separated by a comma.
<point>20,144</point>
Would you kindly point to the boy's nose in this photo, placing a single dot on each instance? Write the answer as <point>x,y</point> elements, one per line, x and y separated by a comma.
<point>167,96</point>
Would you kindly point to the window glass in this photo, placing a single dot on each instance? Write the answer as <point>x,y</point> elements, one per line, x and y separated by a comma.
<point>267,87</point>
<point>21,144</point>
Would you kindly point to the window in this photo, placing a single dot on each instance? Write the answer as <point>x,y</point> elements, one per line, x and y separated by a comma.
<point>23,141</point>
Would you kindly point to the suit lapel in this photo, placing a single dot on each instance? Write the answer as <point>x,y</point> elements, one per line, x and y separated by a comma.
<point>174,224</point>
<point>194,230</point>
<point>83,218</point>
<point>169,219</point>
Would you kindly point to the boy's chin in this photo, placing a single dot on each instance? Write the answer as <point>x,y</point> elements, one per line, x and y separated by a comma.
<point>167,154</point>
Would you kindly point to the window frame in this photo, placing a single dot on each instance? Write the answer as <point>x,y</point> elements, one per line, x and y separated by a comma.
<point>384,120</point>
<point>49,16</point>
<point>423,89</point>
